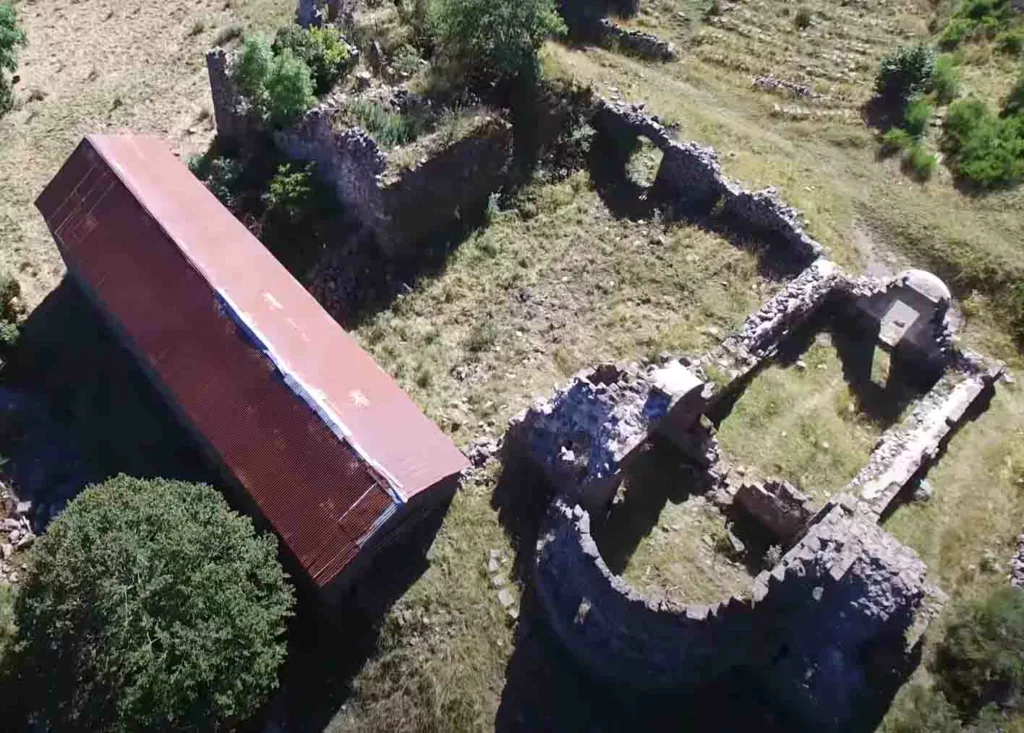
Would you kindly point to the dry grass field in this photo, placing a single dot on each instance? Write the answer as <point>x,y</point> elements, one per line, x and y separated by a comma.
<point>556,282</point>
<point>97,66</point>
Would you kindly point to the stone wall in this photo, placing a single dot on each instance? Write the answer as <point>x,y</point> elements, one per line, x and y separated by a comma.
<point>741,354</point>
<point>454,183</point>
<point>400,207</point>
<point>638,43</point>
<point>583,436</point>
<point>815,630</point>
<point>778,506</point>
<point>236,123</point>
<point>907,449</point>
<point>690,181</point>
<point>346,158</point>
<point>831,631</point>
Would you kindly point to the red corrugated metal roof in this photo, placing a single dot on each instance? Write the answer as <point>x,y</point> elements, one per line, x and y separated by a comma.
<point>320,437</point>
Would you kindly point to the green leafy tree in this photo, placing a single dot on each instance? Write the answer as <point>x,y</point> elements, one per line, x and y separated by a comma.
<point>11,38</point>
<point>904,73</point>
<point>981,660</point>
<point>150,605</point>
<point>920,709</point>
<point>252,68</point>
<point>280,87</point>
<point>289,89</point>
<point>496,38</point>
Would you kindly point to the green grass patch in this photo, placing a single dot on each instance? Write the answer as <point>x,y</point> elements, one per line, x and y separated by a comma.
<point>807,425</point>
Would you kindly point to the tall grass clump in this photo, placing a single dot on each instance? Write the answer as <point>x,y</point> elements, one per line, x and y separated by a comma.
<point>984,149</point>
<point>11,38</point>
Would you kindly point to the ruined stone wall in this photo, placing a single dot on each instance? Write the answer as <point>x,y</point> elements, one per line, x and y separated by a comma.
<point>454,183</point>
<point>690,181</point>
<point>638,43</point>
<point>236,123</point>
<point>583,436</point>
<point>778,506</point>
<point>906,449</point>
<point>758,339</point>
<point>347,158</point>
<point>406,205</point>
<point>813,631</point>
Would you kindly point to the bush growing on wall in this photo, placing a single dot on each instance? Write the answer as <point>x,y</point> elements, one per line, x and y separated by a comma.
<point>279,86</point>
<point>11,37</point>
<point>149,605</point>
<point>323,50</point>
<point>945,80</point>
<point>500,39</point>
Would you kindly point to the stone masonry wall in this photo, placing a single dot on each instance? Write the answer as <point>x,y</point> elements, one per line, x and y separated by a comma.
<point>413,202</point>
<point>235,122</point>
<point>446,186</point>
<point>400,208</point>
<point>813,629</point>
<point>585,433</point>
<point>690,180</point>
<point>348,159</point>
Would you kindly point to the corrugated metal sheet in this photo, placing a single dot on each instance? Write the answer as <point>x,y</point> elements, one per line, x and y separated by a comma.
<point>325,443</point>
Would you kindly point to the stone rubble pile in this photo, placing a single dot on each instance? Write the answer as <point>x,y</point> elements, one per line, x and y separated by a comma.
<point>645,45</point>
<point>769,83</point>
<point>16,534</point>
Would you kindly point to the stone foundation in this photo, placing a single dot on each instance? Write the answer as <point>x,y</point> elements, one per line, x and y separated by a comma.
<point>819,630</point>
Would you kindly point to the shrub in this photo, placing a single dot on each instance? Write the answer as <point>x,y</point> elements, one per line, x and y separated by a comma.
<point>955,33</point>
<point>920,163</point>
<point>252,68</point>
<point>289,89</point>
<point>961,121</point>
<point>1014,104</point>
<point>986,150</point>
<point>499,39</point>
<point>920,709</point>
<point>896,140</point>
<point>293,194</point>
<point>981,660</point>
<point>323,50</point>
<point>904,73</point>
<point>1011,42</point>
<point>149,605</point>
<point>280,87</point>
<point>945,81</point>
<point>222,177</point>
<point>11,37</point>
<point>6,617</point>
<point>802,20</point>
<point>916,116</point>
<point>406,60</point>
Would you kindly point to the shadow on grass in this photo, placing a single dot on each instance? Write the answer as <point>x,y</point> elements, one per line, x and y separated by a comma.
<point>94,414</point>
<point>547,690</point>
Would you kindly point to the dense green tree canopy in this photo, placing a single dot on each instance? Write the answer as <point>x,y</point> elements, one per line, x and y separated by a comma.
<point>499,38</point>
<point>150,605</point>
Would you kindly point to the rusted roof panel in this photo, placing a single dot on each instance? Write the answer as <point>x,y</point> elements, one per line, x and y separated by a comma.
<point>325,443</point>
